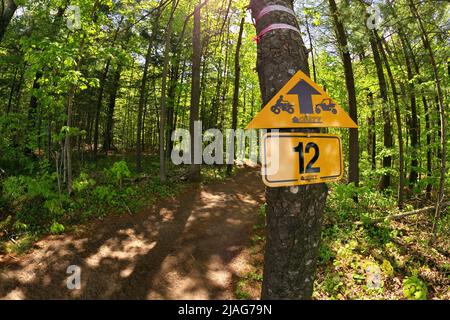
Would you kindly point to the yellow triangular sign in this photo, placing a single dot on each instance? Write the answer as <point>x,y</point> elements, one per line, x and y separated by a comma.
<point>301,103</point>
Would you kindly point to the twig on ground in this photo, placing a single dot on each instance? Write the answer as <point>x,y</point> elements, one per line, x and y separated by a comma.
<point>129,211</point>
<point>402,215</point>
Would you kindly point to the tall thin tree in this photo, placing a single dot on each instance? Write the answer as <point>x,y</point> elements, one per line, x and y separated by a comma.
<point>440,98</point>
<point>237,80</point>
<point>163,111</point>
<point>387,131</point>
<point>194,169</point>
<point>341,35</point>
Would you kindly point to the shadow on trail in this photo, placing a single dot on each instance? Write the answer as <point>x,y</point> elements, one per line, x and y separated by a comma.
<point>137,285</point>
<point>186,247</point>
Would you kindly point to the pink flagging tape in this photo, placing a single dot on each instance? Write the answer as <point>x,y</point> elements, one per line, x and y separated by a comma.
<point>271,8</point>
<point>276,26</point>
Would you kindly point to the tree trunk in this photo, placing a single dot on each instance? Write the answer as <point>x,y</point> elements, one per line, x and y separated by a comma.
<point>387,160</point>
<point>225,81</point>
<point>32,110</point>
<point>414,122</point>
<point>203,83</point>
<point>294,220</point>
<point>353,171</point>
<point>143,91</point>
<point>194,170</point>
<point>108,135</point>
<point>237,80</point>
<point>6,13</point>
<point>399,126</point>
<point>99,105</point>
<point>171,103</point>
<point>176,103</point>
<point>440,96</point>
<point>429,158</point>
<point>372,132</point>
<point>101,91</point>
<point>408,53</point>
<point>19,91</point>
<point>142,94</point>
<point>145,111</point>
<point>163,111</point>
<point>11,92</point>
<point>311,49</point>
<point>68,143</point>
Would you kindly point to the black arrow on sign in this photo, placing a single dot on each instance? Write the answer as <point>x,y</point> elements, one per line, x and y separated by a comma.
<point>304,91</point>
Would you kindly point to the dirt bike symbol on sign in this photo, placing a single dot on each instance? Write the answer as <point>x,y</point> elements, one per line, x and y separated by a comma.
<point>282,105</point>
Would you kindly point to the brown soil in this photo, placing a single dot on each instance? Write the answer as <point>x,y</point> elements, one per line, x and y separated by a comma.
<point>194,246</point>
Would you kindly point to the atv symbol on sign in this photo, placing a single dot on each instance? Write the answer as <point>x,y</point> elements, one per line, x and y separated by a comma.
<point>326,105</point>
<point>282,105</point>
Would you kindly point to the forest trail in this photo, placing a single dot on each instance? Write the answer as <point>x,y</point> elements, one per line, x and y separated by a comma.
<point>193,246</point>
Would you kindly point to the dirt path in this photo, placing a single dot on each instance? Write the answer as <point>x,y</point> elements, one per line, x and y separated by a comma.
<point>194,246</point>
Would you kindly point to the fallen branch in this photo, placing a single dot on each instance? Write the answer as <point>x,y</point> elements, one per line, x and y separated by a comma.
<point>128,208</point>
<point>402,215</point>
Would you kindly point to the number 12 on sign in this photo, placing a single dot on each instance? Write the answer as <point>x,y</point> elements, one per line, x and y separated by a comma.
<point>291,159</point>
<point>309,167</point>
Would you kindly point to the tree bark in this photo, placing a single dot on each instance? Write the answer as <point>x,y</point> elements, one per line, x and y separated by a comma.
<point>311,49</point>
<point>98,106</point>
<point>163,111</point>
<point>429,157</point>
<point>372,132</point>
<point>33,109</point>
<point>194,169</point>
<point>225,81</point>
<point>101,91</point>
<point>11,92</point>
<point>142,94</point>
<point>18,94</point>
<point>399,126</point>
<point>143,90</point>
<point>294,220</point>
<point>172,97</point>
<point>353,171</point>
<point>440,96</point>
<point>414,122</point>
<point>108,135</point>
<point>68,143</point>
<point>237,80</point>
<point>387,136</point>
<point>8,8</point>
